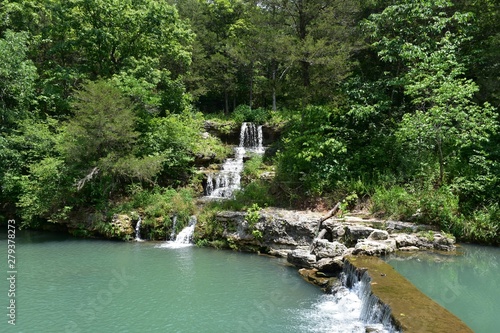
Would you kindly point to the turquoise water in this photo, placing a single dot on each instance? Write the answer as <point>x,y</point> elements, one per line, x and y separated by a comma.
<point>468,285</point>
<point>74,285</point>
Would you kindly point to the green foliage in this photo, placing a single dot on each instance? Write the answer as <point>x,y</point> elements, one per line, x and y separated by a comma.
<point>252,167</point>
<point>177,139</point>
<point>313,151</point>
<point>243,113</point>
<point>44,192</point>
<point>253,215</point>
<point>101,139</point>
<point>157,207</point>
<point>394,202</point>
<point>483,226</point>
<point>348,202</point>
<point>17,79</point>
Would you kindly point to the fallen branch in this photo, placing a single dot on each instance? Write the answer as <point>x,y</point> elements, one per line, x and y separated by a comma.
<point>85,179</point>
<point>320,235</point>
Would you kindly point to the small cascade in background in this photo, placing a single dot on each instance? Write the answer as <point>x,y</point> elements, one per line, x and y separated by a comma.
<point>251,137</point>
<point>184,238</point>
<point>138,230</point>
<point>225,182</point>
<point>174,224</point>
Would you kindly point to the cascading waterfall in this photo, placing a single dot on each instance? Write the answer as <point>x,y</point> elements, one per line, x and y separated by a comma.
<point>352,307</point>
<point>224,183</point>
<point>174,224</point>
<point>184,238</point>
<point>138,229</point>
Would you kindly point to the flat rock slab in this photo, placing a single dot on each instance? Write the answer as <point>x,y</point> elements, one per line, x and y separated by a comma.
<point>412,310</point>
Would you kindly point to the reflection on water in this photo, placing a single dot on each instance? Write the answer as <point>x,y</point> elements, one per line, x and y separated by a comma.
<point>467,284</point>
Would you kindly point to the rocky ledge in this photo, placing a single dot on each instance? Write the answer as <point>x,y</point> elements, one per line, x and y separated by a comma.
<point>296,236</point>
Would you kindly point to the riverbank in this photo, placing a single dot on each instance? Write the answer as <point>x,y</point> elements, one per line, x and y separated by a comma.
<point>346,243</point>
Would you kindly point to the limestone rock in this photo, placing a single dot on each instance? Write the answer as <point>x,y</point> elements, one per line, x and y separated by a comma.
<point>443,243</point>
<point>405,240</point>
<point>374,248</point>
<point>301,258</point>
<point>122,226</point>
<point>317,278</point>
<point>325,249</point>
<point>409,248</point>
<point>330,265</point>
<point>355,233</point>
<point>378,235</point>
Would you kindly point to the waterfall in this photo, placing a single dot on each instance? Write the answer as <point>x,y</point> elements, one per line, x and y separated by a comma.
<point>224,183</point>
<point>372,310</point>
<point>138,230</point>
<point>174,224</point>
<point>184,238</point>
<point>351,307</point>
<point>251,137</point>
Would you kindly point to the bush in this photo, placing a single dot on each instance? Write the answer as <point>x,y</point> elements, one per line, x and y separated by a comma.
<point>483,226</point>
<point>394,202</point>
<point>243,113</point>
<point>157,207</point>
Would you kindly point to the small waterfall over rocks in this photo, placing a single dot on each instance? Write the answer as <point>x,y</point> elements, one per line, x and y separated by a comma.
<point>352,307</point>
<point>138,230</point>
<point>184,238</point>
<point>224,183</point>
<point>372,311</point>
<point>174,224</point>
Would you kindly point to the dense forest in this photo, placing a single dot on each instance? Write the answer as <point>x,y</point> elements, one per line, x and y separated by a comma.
<point>392,104</point>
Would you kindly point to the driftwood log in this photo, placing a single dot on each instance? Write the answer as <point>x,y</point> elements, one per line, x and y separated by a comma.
<point>320,233</point>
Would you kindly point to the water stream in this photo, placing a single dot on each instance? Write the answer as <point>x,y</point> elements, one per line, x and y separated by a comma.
<point>138,230</point>
<point>184,238</point>
<point>224,183</point>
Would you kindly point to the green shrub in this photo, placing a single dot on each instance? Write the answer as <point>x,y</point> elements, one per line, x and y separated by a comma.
<point>394,202</point>
<point>440,207</point>
<point>484,226</point>
<point>243,113</point>
<point>252,167</point>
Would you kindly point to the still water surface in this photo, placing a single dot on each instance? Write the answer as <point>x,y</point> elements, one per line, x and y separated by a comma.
<point>75,285</point>
<point>468,285</point>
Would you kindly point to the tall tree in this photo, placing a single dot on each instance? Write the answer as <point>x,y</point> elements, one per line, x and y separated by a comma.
<point>424,39</point>
<point>143,41</point>
<point>17,79</point>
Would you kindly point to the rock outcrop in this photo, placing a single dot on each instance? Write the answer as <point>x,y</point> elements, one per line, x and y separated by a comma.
<point>291,234</point>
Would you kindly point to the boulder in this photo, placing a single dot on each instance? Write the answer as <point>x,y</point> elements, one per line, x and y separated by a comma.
<point>301,258</point>
<point>409,248</point>
<point>330,265</point>
<point>353,233</point>
<point>374,248</point>
<point>322,248</point>
<point>378,235</point>
<point>317,278</point>
<point>405,240</point>
<point>443,243</point>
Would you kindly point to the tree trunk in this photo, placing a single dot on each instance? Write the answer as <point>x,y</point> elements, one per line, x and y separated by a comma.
<point>251,88</point>
<point>274,89</point>
<point>226,102</point>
